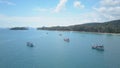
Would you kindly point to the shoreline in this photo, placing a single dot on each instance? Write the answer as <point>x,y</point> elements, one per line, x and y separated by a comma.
<point>105,33</point>
<point>72,31</point>
<point>84,31</point>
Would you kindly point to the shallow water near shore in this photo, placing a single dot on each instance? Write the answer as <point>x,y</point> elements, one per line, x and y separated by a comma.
<point>51,51</point>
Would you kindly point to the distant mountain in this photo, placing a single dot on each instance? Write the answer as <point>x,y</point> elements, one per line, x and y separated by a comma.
<point>105,27</point>
<point>19,28</point>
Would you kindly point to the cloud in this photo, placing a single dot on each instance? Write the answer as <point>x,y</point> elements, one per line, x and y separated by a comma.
<point>109,9</point>
<point>7,2</point>
<point>38,21</point>
<point>32,21</point>
<point>78,4</point>
<point>110,2</point>
<point>104,11</point>
<point>38,9</point>
<point>41,9</point>
<point>60,6</point>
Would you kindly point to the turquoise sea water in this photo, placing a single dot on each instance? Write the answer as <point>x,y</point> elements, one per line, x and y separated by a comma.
<point>51,51</point>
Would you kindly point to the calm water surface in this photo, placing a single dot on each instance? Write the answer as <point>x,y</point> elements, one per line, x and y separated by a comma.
<point>51,51</point>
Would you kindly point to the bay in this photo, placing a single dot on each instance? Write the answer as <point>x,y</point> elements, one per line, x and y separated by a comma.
<point>51,51</point>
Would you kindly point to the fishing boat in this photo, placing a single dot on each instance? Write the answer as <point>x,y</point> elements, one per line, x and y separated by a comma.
<point>67,39</point>
<point>98,47</point>
<point>30,44</point>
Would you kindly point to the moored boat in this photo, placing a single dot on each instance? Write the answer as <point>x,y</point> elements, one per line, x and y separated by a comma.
<point>30,44</point>
<point>100,47</point>
<point>67,39</point>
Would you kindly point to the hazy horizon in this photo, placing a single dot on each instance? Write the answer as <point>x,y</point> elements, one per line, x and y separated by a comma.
<point>40,13</point>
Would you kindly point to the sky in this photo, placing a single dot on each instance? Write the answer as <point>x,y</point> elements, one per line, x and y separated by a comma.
<point>38,13</point>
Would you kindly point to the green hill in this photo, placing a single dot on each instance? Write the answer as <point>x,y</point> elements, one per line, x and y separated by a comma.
<point>19,28</point>
<point>105,27</point>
